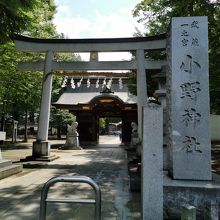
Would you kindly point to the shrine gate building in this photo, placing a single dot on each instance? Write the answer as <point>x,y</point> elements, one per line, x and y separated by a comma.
<point>93,100</point>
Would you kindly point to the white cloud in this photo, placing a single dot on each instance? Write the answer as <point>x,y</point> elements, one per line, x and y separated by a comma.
<point>120,24</point>
<point>72,27</point>
<point>112,25</point>
<point>63,9</point>
<point>108,56</point>
<point>115,56</point>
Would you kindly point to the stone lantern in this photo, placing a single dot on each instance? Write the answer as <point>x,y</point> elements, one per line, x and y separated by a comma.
<point>160,94</point>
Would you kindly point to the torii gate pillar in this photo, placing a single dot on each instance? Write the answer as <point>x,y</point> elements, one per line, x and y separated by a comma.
<point>41,147</point>
<point>141,89</point>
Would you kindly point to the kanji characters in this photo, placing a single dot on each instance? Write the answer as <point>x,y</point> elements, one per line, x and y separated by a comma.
<point>187,66</point>
<point>191,145</point>
<point>190,90</point>
<point>191,116</point>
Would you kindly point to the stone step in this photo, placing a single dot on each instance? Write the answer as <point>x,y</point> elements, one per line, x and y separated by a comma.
<point>10,170</point>
<point>5,163</point>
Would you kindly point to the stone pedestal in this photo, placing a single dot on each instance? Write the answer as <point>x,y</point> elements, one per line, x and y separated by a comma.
<point>72,142</point>
<point>7,168</point>
<point>152,163</point>
<point>41,149</point>
<point>134,139</point>
<point>41,152</point>
<point>178,193</point>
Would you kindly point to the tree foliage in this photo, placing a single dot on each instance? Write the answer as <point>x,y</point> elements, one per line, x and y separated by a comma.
<point>15,17</point>
<point>59,119</point>
<point>16,87</point>
<point>102,123</point>
<point>156,14</point>
<point>20,92</point>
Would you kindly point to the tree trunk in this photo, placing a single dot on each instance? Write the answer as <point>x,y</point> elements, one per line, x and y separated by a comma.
<point>26,126</point>
<point>3,122</point>
<point>59,132</point>
<point>26,119</point>
<point>2,126</point>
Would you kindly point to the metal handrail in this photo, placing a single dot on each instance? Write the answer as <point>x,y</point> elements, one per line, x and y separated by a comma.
<point>73,179</point>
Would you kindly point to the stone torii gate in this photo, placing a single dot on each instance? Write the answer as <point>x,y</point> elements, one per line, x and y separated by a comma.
<point>41,147</point>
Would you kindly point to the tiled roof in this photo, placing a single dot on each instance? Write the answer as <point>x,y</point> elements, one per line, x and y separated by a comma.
<point>84,95</point>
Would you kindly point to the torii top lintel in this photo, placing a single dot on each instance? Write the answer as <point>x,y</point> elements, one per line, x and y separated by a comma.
<point>87,45</point>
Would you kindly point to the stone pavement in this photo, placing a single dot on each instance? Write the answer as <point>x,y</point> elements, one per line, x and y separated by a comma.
<point>106,165</point>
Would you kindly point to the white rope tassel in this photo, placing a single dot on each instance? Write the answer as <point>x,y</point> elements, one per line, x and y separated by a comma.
<point>97,84</point>
<point>120,83</point>
<point>72,83</point>
<point>64,82</point>
<point>88,83</point>
<point>109,84</point>
<point>79,83</point>
<point>104,83</point>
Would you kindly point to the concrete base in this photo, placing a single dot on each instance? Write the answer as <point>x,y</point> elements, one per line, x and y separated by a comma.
<point>41,149</point>
<point>42,158</point>
<point>41,152</point>
<point>72,140</point>
<point>178,193</point>
<point>8,169</point>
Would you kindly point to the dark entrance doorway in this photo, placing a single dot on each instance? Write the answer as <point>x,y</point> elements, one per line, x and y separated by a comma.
<point>107,107</point>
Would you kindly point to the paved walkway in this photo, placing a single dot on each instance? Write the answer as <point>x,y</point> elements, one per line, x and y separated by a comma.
<point>20,194</point>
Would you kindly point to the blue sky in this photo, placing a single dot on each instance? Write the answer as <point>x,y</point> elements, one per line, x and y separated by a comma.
<point>95,18</point>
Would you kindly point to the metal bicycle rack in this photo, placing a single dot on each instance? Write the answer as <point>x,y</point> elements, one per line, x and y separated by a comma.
<point>71,179</point>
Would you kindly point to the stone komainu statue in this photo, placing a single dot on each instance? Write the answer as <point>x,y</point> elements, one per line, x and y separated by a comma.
<point>72,136</point>
<point>72,129</point>
<point>135,140</point>
<point>134,127</point>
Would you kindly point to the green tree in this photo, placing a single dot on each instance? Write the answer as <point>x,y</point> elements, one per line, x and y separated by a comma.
<point>15,16</point>
<point>20,91</point>
<point>59,120</point>
<point>156,15</point>
<point>102,123</point>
